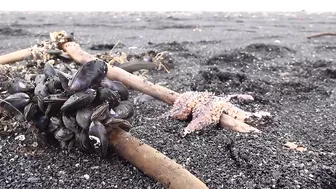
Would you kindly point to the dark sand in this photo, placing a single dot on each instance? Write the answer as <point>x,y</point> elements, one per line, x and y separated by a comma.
<point>265,55</point>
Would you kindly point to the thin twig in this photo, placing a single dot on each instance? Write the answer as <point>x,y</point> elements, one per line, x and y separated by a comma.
<point>12,107</point>
<point>114,47</point>
<point>321,35</point>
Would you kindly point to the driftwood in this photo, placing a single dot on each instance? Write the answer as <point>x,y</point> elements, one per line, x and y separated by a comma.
<point>15,56</point>
<point>153,163</point>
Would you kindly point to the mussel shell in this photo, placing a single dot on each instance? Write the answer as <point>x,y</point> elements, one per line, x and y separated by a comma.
<point>54,85</point>
<point>56,98</point>
<point>20,85</point>
<point>41,104</point>
<point>18,100</point>
<point>54,52</point>
<point>70,123</point>
<point>30,111</point>
<point>65,57</point>
<point>98,138</point>
<point>100,112</point>
<point>41,90</point>
<point>49,70</point>
<point>89,74</point>
<point>142,98</point>
<point>83,117</point>
<point>54,124</point>
<point>41,78</point>
<point>79,100</point>
<point>107,95</point>
<point>63,134</point>
<point>83,141</point>
<point>116,86</point>
<point>112,123</point>
<point>65,68</point>
<point>42,122</point>
<point>68,145</point>
<point>64,79</point>
<point>125,110</point>
<point>53,109</point>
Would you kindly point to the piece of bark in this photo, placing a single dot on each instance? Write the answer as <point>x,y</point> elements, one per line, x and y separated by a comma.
<point>152,162</point>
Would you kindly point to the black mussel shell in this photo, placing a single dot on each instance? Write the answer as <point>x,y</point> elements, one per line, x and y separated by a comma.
<point>54,85</point>
<point>89,74</point>
<point>56,98</point>
<point>15,102</point>
<point>100,112</point>
<point>64,79</point>
<point>70,123</point>
<point>65,57</point>
<point>54,124</point>
<point>30,111</point>
<point>83,117</point>
<point>107,95</point>
<point>112,123</point>
<point>41,78</point>
<point>41,90</point>
<point>63,134</point>
<point>142,98</point>
<point>79,100</point>
<point>125,110</point>
<point>65,68</point>
<point>49,70</point>
<point>41,104</point>
<point>20,85</point>
<point>83,141</point>
<point>116,86</point>
<point>72,144</point>
<point>98,138</point>
<point>55,52</point>
<point>68,145</point>
<point>53,109</point>
<point>73,72</point>
<point>42,123</point>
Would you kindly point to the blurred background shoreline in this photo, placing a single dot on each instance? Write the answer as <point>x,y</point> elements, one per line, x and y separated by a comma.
<point>172,5</point>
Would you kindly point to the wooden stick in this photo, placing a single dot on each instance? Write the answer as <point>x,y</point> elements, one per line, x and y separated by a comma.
<point>322,34</point>
<point>15,56</point>
<point>153,163</point>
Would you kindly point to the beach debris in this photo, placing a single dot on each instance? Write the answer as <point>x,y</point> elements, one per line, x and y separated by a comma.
<point>294,146</point>
<point>106,46</point>
<point>142,98</point>
<point>144,61</point>
<point>321,35</point>
<point>206,109</point>
<point>75,107</point>
<point>20,137</point>
<point>231,117</point>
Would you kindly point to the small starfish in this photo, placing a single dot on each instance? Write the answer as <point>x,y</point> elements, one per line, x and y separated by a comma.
<point>205,108</point>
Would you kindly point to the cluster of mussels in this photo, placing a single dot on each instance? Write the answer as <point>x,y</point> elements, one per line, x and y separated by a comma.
<point>75,107</point>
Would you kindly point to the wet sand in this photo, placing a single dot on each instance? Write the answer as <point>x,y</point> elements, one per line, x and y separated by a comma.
<point>265,55</point>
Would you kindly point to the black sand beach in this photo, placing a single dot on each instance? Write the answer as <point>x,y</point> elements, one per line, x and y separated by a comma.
<point>266,55</point>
